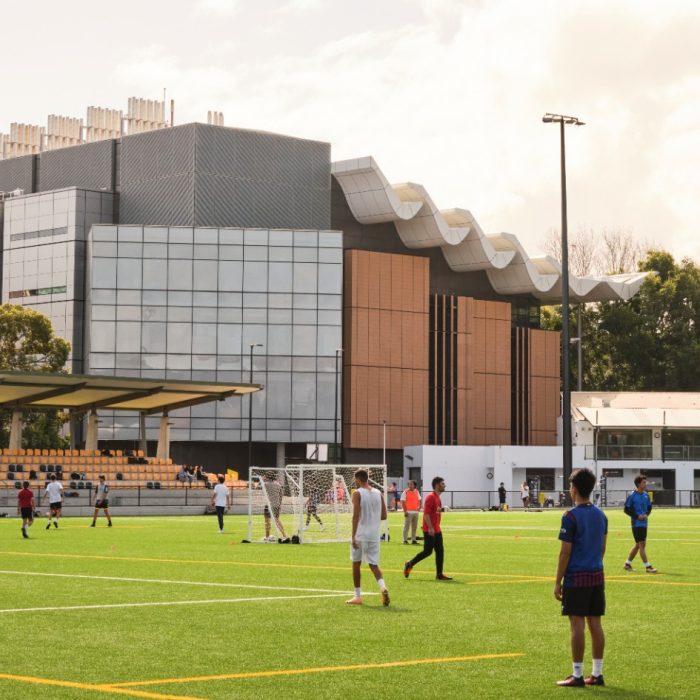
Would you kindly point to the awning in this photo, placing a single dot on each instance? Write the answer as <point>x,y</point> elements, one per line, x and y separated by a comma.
<point>641,417</point>
<point>84,392</point>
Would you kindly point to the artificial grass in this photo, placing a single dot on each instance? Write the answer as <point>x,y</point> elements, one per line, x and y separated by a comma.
<point>500,602</point>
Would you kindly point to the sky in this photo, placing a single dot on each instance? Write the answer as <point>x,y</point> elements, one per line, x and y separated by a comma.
<point>446,93</point>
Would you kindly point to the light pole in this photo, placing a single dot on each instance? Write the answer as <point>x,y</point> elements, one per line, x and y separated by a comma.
<point>338,353</point>
<point>250,408</point>
<point>563,121</point>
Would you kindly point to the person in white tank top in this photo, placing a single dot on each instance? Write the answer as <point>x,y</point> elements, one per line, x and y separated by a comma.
<point>368,511</point>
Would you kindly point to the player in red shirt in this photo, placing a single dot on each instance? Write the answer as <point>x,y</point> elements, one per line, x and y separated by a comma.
<point>432,534</point>
<point>25,507</point>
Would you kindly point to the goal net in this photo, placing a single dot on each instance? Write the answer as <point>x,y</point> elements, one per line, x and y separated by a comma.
<point>310,501</point>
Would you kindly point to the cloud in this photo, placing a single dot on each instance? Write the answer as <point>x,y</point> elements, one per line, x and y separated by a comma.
<point>216,8</point>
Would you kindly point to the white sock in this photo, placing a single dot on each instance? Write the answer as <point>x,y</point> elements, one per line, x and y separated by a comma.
<point>358,592</point>
<point>648,565</point>
<point>597,667</point>
<point>381,583</point>
<point>578,669</point>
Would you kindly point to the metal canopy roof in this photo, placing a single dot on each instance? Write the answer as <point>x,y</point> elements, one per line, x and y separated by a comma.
<point>84,392</point>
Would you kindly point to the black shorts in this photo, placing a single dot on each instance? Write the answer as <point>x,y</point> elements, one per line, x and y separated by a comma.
<point>55,506</point>
<point>587,601</point>
<point>27,513</point>
<point>639,534</point>
<point>104,503</point>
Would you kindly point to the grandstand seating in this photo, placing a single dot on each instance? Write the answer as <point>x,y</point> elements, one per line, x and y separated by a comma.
<point>118,468</point>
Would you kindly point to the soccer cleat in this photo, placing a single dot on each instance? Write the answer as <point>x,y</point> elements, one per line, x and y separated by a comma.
<point>55,524</point>
<point>407,568</point>
<point>93,525</point>
<point>595,680</point>
<point>405,541</point>
<point>48,527</point>
<point>628,567</point>
<point>651,570</point>
<point>109,524</point>
<point>442,577</point>
<point>385,597</point>
<point>415,542</point>
<point>572,682</point>
<point>355,600</point>
<point>323,527</point>
<point>26,536</point>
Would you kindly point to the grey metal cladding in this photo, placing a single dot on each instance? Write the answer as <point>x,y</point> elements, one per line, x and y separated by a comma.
<point>157,154</point>
<point>156,179</point>
<point>88,166</point>
<point>163,201</point>
<point>256,179</point>
<point>17,173</point>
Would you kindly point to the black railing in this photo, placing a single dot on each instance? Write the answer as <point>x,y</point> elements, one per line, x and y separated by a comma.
<point>604,453</point>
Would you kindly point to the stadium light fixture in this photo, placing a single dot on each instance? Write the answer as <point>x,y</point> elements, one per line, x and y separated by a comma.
<point>563,120</point>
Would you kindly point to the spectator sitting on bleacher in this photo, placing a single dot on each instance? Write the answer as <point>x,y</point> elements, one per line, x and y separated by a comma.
<point>201,475</point>
<point>184,476</point>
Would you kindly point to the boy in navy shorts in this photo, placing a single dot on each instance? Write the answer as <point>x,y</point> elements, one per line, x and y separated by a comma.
<point>580,584</point>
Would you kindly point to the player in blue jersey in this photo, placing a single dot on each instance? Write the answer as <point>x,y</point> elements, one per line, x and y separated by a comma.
<point>638,507</point>
<point>580,583</point>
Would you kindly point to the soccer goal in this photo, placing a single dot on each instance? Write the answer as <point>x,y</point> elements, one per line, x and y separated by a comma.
<point>309,501</point>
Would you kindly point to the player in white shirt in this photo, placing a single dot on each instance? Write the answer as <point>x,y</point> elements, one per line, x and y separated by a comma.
<point>368,511</point>
<point>54,494</point>
<point>221,500</point>
<point>101,501</point>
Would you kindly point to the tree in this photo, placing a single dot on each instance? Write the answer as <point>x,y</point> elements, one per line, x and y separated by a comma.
<point>28,344</point>
<point>650,343</point>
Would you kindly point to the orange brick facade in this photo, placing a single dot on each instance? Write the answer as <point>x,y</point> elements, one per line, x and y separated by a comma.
<point>385,364</point>
<point>439,368</point>
<point>484,372</point>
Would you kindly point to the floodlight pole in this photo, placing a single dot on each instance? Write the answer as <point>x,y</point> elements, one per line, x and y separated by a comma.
<point>563,120</point>
<point>250,408</point>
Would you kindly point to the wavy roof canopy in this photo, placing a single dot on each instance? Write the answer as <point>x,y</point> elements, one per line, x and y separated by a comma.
<point>465,246</point>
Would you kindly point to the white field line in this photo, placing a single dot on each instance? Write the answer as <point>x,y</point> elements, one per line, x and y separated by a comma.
<point>221,601</point>
<point>179,583</point>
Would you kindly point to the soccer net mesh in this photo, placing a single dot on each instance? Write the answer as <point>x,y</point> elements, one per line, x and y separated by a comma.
<point>310,501</point>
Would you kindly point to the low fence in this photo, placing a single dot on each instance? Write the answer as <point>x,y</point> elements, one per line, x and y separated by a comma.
<point>142,500</point>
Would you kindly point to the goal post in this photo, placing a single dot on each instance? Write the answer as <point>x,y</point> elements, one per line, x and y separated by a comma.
<point>310,501</point>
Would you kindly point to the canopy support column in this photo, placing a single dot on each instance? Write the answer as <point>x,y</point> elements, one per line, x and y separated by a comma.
<point>164,438</point>
<point>91,437</point>
<point>16,429</point>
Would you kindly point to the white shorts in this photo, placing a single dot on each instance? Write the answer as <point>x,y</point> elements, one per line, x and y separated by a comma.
<point>367,552</point>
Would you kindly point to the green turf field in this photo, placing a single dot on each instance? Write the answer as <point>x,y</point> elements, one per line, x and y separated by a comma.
<point>169,608</point>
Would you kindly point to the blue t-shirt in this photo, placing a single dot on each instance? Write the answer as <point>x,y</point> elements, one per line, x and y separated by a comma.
<point>585,527</point>
<point>641,503</point>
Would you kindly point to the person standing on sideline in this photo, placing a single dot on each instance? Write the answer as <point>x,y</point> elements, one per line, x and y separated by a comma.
<point>25,507</point>
<point>221,500</point>
<point>638,507</point>
<point>368,511</point>
<point>54,492</point>
<point>525,494</point>
<point>501,497</point>
<point>410,502</point>
<point>432,534</point>
<point>101,501</point>
<point>393,497</point>
<point>583,535</point>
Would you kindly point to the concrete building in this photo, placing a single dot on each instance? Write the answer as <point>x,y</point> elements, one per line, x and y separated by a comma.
<point>204,252</point>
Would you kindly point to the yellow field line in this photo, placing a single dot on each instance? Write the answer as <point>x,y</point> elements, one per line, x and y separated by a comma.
<point>256,564</point>
<point>98,688</point>
<point>502,578</point>
<point>320,669</point>
<point>648,581</point>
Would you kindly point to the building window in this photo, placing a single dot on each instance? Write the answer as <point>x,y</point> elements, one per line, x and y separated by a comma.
<point>622,443</point>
